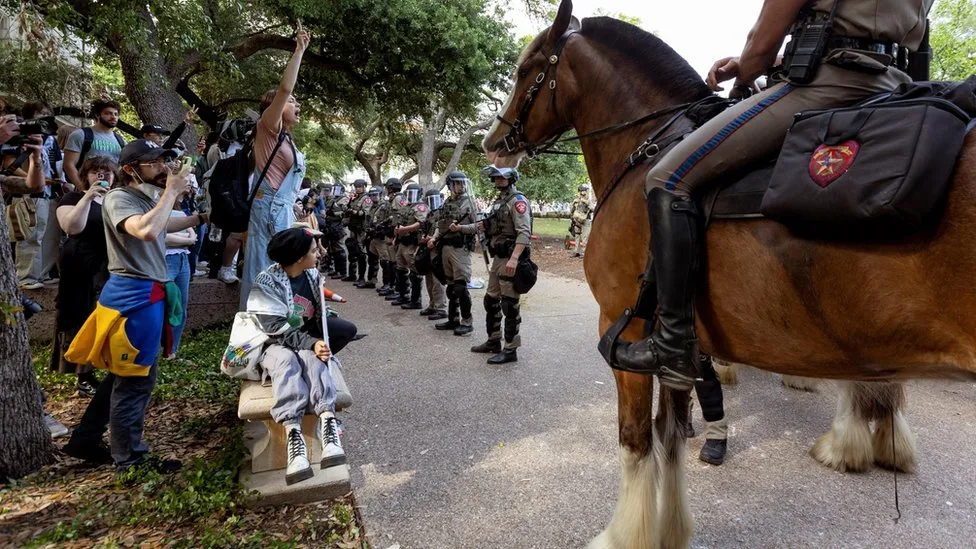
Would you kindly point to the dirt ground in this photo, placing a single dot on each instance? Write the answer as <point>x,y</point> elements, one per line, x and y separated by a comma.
<point>552,257</point>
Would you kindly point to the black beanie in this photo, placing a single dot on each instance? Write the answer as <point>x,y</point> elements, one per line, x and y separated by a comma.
<point>290,245</point>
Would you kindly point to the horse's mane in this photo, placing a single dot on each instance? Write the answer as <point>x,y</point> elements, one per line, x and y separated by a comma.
<point>672,74</point>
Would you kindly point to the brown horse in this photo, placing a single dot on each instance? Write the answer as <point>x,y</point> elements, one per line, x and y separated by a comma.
<point>844,310</point>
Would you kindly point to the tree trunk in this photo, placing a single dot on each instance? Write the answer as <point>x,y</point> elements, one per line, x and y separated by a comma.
<point>429,149</point>
<point>26,441</point>
<point>372,163</point>
<point>148,86</point>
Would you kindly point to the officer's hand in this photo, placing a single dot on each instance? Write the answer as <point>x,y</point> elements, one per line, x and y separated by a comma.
<point>454,228</point>
<point>322,351</point>
<point>510,266</point>
<point>724,69</point>
<point>481,225</point>
<point>430,244</point>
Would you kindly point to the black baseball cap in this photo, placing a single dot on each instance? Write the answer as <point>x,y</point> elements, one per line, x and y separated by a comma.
<point>288,246</point>
<point>154,128</point>
<point>143,150</point>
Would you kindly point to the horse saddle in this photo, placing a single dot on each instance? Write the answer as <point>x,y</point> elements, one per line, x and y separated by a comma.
<point>884,164</point>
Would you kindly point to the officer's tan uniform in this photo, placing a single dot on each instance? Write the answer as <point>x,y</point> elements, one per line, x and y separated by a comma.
<point>406,252</point>
<point>510,223</point>
<point>378,216</point>
<point>755,128</point>
<point>579,214</point>
<point>456,258</point>
<point>435,290</point>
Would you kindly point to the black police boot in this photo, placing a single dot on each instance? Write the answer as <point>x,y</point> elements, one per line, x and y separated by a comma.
<point>402,288</point>
<point>387,286</point>
<point>361,264</point>
<point>671,351</point>
<point>490,346</point>
<point>504,357</point>
<point>464,329</point>
<point>714,451</point>
<point>449,324</point>
<point>463,297</point>
<point>414,303</point>
<point>437,315</point>
<point>351,274</point>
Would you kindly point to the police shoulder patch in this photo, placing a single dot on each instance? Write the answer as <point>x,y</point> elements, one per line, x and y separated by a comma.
<point>403,201</point>
<point>367,202</point>
<point>521,206</point>
<point>421,208</point>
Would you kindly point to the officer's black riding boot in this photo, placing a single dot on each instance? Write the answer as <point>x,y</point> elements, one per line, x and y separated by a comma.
<point>493,324</point>
<point>452,311</point>
<point>463,302</point>
<point>513,320</point>
<point>402,287</point>
<point>671,351</point>
<point>415,283</point>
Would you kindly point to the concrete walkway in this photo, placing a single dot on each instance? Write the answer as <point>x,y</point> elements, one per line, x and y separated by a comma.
<point>448,452</point>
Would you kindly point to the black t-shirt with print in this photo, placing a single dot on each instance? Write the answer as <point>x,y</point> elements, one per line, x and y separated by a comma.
<point>306,306</point>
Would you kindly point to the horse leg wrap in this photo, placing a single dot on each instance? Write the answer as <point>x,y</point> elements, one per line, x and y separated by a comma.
<point>452,303</point>
<point>493,317</point>
<point>709,391</point>
<point>463,298</point>
<point>513,320</point>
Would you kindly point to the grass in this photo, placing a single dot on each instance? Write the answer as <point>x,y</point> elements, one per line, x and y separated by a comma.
<point>551,227</point>
<point>192,416</point>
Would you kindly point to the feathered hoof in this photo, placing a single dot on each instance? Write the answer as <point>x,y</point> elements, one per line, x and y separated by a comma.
<point>845,448</point>
<point>904,458</point>
<point>727,372</point>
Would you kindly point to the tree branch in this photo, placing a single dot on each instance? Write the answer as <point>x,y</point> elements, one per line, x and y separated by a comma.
<point>258,42</point>
<point>459,149</point>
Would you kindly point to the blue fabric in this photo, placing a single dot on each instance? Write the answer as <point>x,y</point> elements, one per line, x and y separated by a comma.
<point>723,134</point>
<point>272,211</point>
<point>178,268</point>
<point>143,304</point>
<point>195,250</point>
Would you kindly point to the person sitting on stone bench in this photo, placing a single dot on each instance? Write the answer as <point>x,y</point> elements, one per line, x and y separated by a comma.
<point>289,292</point>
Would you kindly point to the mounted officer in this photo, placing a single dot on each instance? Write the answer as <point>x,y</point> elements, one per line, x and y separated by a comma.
<point>355,220</point>
<point>841,52</point>
<point>455,250</point>
<point>370,240</point>
<point>334,231</point>
<point>437,306</point>
<point>508,227</point>
<point>383,227</point>
<point>408,220</point>
<point>580,215</point>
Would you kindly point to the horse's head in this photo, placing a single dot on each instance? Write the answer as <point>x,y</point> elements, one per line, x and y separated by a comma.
<point>530,117</point>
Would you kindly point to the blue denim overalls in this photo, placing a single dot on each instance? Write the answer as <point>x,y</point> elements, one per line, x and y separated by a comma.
<point>272,211</point>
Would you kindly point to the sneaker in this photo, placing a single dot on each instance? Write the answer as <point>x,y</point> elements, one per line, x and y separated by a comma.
<point>31,285</point>
<point>86,388</point>
<point>97,454</point>
<point>50,281</point>
<point>332,452</point>
<point>56,427</point>
<point>227,275</point>
<point>203,265</point>
<point>298,466</point>
<point>200,273</point>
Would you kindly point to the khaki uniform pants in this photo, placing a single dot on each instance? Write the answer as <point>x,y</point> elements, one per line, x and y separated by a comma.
<point>378,247</point>
<point>755,128</point>
<point>406,257</point>
<point>457,263</point>
<point>497,287</point>
<point>436,292</point>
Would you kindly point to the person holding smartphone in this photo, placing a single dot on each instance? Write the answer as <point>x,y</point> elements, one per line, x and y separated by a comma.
<point>83,264</point>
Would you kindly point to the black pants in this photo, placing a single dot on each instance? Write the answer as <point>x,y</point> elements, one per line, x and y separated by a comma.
<point>341,333</point>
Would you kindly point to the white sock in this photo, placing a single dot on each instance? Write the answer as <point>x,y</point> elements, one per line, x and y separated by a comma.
<point>292,424</point>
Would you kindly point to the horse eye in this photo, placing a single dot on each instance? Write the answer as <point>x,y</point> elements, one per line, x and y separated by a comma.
<point>523,71</point>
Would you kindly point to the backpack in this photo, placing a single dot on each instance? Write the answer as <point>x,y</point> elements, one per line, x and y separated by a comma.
<point>87,143</point>
<point>228,184</point>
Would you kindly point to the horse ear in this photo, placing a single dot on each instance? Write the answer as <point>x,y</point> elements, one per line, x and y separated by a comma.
<point>563,19</point>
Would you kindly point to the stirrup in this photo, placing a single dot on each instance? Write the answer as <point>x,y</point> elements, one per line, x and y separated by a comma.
<point>608,343</point>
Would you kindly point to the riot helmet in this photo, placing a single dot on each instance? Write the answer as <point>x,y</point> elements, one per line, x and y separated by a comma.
<point>584,188</point>
<point>511,175</point>
<point>359,185</point>
<point>434,199</point>
<point>375,192</point>
<point>412,192</point>
<point>393,185</point>
<point>458,183</point>
<point>338,189</point>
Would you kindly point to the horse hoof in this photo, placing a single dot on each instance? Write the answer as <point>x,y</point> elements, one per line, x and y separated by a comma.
<point>728,373</point>
<point>798,383</point>
<point>845,448</point>
<point>905,458</point>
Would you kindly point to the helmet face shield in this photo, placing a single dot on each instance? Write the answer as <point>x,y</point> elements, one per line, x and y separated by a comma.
<point>492,172</point>
<point>338,190</point>
<point>413,195</point>
<point>458,186</point>
<point>434,201</point>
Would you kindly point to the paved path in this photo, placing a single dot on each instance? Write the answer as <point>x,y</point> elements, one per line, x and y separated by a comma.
<point>448,452</point>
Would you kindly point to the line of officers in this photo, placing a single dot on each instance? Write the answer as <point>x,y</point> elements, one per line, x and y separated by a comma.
<point>412,239</point>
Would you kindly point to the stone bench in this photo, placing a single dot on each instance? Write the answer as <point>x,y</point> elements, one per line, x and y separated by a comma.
<point>266,441</point>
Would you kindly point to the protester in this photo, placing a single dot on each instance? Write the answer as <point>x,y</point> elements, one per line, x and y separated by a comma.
<point>138,306</point>
<point>98,140</point>
<point>178,245</point>
<point>287,301</point>
<point>83,263</point>
<point>272,209</point>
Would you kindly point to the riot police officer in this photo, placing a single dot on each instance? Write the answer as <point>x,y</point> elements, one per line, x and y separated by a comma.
<point>334,231</point>
<point>580,216</point>
<point>355,220</point>
<point>508,227</point>
<point>455,251</point>
<point>408,220</point>
<point>398,279</point>
<point>370,244</point>
<point>383,229</point>
<point>436,293</point>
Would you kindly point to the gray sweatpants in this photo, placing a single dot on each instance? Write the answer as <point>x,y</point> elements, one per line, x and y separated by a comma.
<point>300,382</point>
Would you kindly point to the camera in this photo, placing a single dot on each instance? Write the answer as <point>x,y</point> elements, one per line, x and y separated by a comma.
<point>36,126</point>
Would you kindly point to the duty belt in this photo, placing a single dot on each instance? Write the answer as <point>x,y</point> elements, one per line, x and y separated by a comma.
<point>898,53</point>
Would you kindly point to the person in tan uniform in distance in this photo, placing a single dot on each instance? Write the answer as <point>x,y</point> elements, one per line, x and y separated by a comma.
<point>409,218</point>
<point>372,242</point>
<point>860,60</point>
<point>436,293</point>
<point>508,227</point>
<point>456,250</point>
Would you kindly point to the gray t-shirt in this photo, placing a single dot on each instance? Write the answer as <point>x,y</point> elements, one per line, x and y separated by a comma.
<point>127,255</point>
<point>104,144</point>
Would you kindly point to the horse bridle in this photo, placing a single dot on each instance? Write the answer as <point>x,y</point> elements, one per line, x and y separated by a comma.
<point>515,139</point>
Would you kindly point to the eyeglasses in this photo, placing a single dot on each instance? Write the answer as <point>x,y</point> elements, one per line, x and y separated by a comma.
<point>161,163</point>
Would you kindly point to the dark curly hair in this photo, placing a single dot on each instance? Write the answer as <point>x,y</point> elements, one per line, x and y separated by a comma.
<point>95,163</point>
<point>100,105</point>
